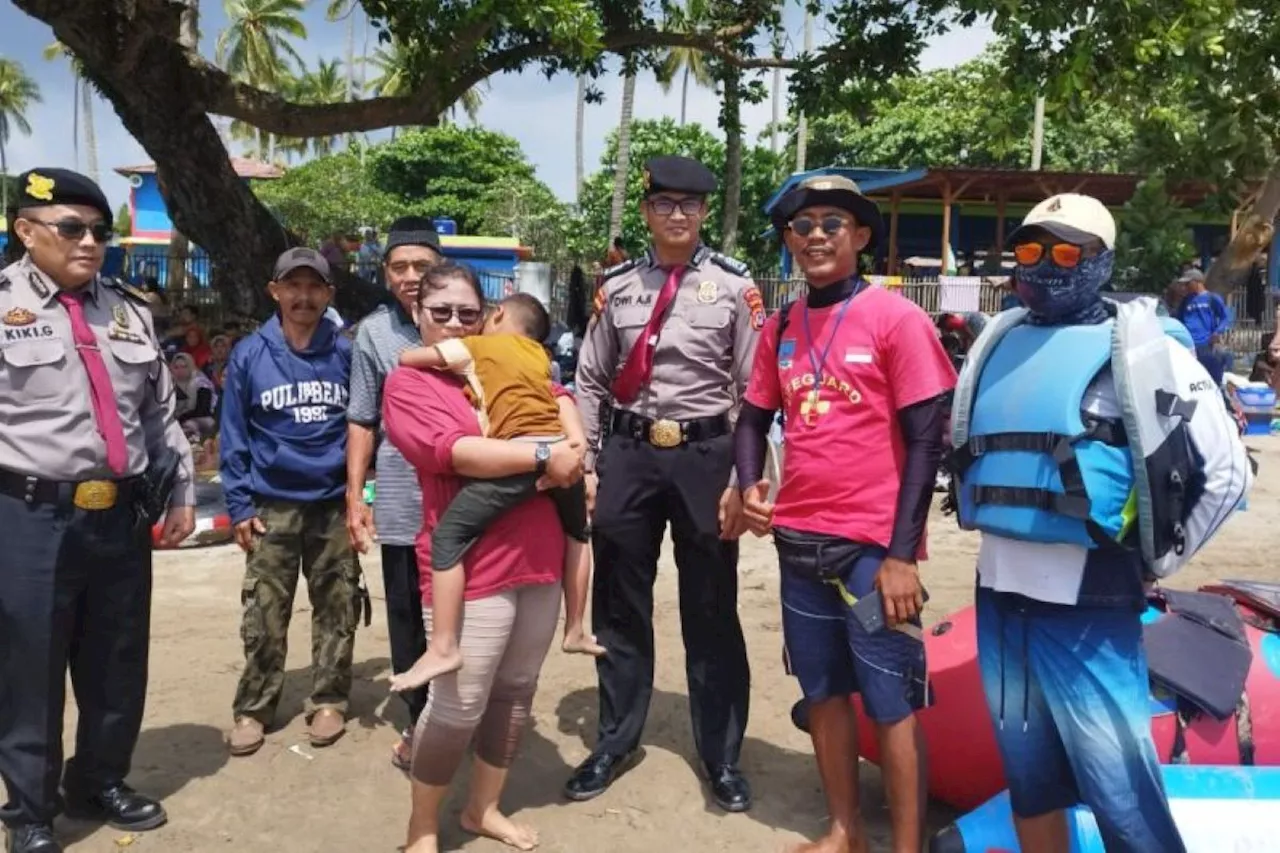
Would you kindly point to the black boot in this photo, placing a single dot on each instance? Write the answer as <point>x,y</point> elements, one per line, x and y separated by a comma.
<point>117,805</point>
<point>31,838</point>
<point>729,788</point>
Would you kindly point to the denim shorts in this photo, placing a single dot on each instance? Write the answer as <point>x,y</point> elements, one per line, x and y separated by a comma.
<point>1068,694</point>
<point>831,654</point>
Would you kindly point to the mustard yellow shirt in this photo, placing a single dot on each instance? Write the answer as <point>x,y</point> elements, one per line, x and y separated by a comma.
<point>508,381</point>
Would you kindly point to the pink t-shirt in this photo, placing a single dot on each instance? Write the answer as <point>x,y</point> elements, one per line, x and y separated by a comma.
<point>842,467</point>
<point>425,413</point>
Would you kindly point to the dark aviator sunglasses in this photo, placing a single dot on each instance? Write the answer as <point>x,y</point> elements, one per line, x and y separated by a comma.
<point>74,229</point>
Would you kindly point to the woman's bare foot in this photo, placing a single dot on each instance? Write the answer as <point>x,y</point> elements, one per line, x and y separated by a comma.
<point>425,844</point>
<point>431,665</point>
<point>579,642</point>
<point>494,824</point>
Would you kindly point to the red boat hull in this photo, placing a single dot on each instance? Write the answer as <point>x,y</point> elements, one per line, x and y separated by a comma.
<point>964,763</point>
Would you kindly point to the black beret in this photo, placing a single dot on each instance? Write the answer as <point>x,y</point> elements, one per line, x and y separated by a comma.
<point>47,187</point>
<point>412,231</point>
<point>677,175</point>
<point>828,191</point>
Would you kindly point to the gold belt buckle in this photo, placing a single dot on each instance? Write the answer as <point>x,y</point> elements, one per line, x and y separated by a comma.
<point>665,434</point>
<point>96,495</point>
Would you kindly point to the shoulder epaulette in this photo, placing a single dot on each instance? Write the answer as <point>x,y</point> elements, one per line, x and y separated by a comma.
<point>613,272</point>
<point>127,290</point>
<point>733,265</point>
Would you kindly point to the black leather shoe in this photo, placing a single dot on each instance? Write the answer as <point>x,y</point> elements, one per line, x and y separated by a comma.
<point>31,838</point>
<point>119,806</point>
<point>594,776</point>
<point>729,788</point>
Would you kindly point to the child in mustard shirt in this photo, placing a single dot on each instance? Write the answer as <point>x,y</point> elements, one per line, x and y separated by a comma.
<point>508,375</point>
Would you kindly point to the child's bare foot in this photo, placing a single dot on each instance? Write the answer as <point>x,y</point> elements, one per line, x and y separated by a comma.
<point>494,824</point>
<point>579,642</point>
<point>433,664</point>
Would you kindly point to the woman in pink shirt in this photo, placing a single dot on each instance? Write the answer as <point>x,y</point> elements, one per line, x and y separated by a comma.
<point>512,573</point>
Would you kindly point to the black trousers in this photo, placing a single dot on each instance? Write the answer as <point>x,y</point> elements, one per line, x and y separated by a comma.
<point>75,590</point>
<point>407,633</point>
<point>642,490</point>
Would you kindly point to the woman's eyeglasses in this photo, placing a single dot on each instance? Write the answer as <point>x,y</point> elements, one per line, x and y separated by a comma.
<point>1065,255</point>
<point>74,229</point>
<point>804,225</point>
<point>441,314</point>
<point>667,206</point>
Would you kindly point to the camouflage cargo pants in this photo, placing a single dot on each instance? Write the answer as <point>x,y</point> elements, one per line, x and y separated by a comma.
<point>311,538</point>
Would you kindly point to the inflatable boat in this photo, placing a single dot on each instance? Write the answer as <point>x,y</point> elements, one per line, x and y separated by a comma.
<point>1217,809</point>
<point>964,768</point>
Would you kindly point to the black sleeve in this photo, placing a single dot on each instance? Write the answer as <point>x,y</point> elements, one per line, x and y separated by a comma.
<point>204,404</point>
<point>921,426</point>
<point>750,443</point>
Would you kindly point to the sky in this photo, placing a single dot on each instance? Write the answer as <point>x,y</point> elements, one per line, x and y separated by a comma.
<point>536,112</point>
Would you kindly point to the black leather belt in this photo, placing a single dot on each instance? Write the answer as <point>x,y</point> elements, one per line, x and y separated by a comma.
<point>666,433</point>
<point>88,494</point>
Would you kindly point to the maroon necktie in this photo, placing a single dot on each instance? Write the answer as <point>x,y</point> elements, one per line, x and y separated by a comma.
<point>635,373</point>
<point>104,396</point>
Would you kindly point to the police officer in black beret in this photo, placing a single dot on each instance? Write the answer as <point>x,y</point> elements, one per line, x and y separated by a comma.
<point>664,365</point>
<point>88,442</point>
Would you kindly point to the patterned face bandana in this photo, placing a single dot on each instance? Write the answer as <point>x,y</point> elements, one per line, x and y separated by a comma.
<point>1066,297</point>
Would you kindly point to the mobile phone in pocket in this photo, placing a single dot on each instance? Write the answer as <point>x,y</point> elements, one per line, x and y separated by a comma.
<point>869,611</point>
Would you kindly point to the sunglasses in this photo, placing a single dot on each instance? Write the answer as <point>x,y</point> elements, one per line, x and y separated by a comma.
<point>1066,255</point>
<point>441,314</point>
<point>74,229</point>
<point>667,206</point>
<point>804,226</point>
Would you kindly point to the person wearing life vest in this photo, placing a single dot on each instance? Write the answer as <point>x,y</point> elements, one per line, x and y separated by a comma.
<point>1089,475</point>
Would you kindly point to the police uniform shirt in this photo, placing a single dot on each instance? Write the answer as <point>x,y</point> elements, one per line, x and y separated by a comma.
<point>705,347</point>
<point>47,425</point>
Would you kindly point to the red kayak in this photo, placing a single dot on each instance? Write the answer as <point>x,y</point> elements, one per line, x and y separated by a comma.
<point>964,764</point>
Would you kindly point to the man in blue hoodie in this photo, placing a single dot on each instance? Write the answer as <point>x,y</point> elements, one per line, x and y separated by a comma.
<point>284,437</point>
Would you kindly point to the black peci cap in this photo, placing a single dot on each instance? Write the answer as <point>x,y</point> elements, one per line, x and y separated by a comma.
<point>48,187</point>
<point>677,175</point>
<point>412,231</point>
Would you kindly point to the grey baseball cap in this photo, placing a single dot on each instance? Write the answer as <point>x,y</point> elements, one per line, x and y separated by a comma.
<point>301,257</point>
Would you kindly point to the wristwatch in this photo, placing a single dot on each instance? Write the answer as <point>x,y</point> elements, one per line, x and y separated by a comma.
<point>541,455</point>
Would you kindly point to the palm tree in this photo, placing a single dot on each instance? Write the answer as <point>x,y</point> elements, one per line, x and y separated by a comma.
<point>324,85</point>
<point>623,163</point>
<point>579,138</point>
<point>392,64</point>
<point>257,44</point>
<point>82,105</point>
<point>17,93</point>
<point>686,61</point>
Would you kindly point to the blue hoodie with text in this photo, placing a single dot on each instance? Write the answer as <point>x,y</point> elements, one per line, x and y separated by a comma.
<point>284,419</point>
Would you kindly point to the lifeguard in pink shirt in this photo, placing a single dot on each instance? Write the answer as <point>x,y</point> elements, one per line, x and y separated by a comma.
<point>862,382</point>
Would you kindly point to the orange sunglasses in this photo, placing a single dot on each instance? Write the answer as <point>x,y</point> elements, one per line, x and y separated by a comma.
<point>1065,255</point>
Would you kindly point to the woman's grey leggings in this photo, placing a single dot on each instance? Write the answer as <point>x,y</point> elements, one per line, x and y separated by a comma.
<point>503,641</point>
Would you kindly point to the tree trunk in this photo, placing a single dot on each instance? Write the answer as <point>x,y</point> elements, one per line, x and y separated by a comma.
<point>4,182</point>
<point>684,94</point>
<point>76,83</point>
<point>1253,238</point>
<point>578,139</point>
<point>622,166</point>
<point>731,119</point>
<point>175,279</point>
<point>90,136</point>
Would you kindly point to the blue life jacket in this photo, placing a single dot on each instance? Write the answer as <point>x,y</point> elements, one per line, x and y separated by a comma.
<point>1034,467</point>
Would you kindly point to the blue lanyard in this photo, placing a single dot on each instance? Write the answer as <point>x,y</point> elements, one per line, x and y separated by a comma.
<point>819,363</point>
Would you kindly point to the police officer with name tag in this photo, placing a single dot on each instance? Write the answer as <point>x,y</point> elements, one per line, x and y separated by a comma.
<point>662,370</point>
<point>90,458</point>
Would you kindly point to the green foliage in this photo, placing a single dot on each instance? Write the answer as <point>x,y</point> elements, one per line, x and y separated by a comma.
<point>965,116</point>
<point>329,194</point>
<point>476,177</point>
<point>124,222</point>
<point>446,170</point>
<point>664,136</point>
<point>1154,239</point>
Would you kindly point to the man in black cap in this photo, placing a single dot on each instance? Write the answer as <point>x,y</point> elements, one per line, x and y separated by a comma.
<point>284,475</point>
<point>86,404</point>
<point>412,246</point>
<point>663,367</point>
<point>859,374</point>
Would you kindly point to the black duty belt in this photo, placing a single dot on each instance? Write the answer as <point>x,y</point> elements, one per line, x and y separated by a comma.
<point>88,494</point>
<point>666,433</point>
